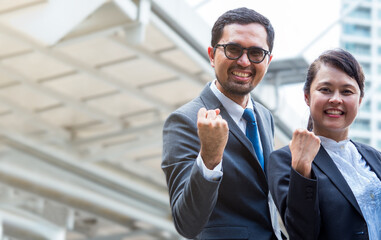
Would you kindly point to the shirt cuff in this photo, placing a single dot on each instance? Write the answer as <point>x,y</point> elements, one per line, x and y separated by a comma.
<point>211,175</point>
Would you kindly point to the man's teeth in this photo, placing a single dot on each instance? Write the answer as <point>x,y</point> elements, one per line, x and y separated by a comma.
<point>241,74</point>
<point>334,112</point>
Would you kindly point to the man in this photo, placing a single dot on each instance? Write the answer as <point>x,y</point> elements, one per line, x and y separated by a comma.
<point>217,186</point>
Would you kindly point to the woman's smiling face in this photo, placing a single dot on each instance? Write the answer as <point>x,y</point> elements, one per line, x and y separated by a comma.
<point>334,99</point>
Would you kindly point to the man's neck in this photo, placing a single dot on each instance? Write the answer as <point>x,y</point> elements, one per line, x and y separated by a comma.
<point>241,100</point>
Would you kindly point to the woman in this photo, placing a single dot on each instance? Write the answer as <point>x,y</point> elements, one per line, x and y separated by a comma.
<point>325,185</point>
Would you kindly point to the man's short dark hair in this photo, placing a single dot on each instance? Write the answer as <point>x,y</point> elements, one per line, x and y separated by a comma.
<point>242,16</point>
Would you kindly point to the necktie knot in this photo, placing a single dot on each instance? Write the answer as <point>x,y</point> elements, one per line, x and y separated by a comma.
<point>248,115</point>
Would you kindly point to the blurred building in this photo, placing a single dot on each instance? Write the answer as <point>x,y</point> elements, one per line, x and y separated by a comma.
<point>361,35</point>
<point>85,86</point>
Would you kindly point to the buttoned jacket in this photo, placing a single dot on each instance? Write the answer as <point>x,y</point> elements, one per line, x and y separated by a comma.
<point>323,207</point>
<point>232,207</point>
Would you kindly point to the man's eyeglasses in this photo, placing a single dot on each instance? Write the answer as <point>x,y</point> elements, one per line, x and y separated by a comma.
<point>234,51</point>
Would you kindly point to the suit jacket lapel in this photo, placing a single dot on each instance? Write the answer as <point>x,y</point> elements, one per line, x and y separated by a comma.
<point>326,165</point>
<point>237,132</point>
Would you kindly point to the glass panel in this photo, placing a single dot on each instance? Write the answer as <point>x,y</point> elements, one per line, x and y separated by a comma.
<point>361,139</point>
<point>357,30</point>
<point>361,124</point>
<point>365,107</point>
<point>365,67</point>
<point>358,48</point>
<point>361,12</point>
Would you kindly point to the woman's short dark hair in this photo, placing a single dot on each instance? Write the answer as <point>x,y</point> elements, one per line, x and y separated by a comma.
<point>341,60</point>
<point>242,16</point>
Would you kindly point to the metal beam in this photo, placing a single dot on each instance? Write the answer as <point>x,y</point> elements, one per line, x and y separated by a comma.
<point>185,23</point>
<point>61,97</point>
<point>33,118</point>
<point>137,32</point>
<point>25,225</point>
<point>115,152</point>
<point>181,43</point>
<point>155,126</point>
<point>79,197</point>
<point>198,55</point>
<point>52,22</point>
<point>163,63</point>
<point>88,172</point>
<point>95,73</point>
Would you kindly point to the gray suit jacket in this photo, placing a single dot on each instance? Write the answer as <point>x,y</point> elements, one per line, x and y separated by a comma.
<point>233,207</point>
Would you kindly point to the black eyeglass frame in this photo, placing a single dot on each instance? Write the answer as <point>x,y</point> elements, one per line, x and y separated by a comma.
<point>242,49</point>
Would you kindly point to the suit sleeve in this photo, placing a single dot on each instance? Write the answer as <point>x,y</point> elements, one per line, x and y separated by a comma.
<point>295,196</point>
<point>192,197</point>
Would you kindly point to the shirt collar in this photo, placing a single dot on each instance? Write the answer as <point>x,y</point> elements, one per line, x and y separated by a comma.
<point>332,145</point>
<point>234,109</point>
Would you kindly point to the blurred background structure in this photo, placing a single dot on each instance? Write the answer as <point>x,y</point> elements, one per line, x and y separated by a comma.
<point>361,35</point>
<point>85,86</point>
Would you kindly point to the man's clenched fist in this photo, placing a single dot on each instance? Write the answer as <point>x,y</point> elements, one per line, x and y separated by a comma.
<point>213,132</point>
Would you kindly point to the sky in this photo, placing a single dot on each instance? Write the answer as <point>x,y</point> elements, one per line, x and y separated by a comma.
<point>302,27</point>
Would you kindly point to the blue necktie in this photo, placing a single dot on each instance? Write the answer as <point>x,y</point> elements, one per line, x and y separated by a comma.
<point>253,134</point>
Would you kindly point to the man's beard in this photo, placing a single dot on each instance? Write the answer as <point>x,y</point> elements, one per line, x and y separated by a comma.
<point>235,88</point>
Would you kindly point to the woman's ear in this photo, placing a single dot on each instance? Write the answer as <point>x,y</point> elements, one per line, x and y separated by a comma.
<point>360,101</point>
<point>307,99</point>
<point>211,56</point>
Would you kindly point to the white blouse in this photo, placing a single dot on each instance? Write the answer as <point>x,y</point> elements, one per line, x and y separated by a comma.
<point>364,183</point>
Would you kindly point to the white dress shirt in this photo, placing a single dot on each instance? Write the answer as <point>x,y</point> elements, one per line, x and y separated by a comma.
<point>364,183</point>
